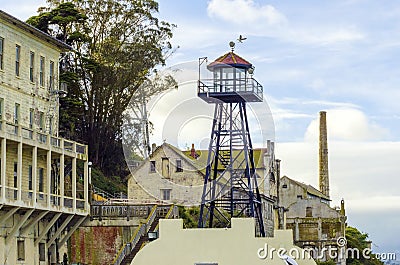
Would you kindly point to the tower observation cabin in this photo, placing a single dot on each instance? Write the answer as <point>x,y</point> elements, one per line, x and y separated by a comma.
<point>232,80</point>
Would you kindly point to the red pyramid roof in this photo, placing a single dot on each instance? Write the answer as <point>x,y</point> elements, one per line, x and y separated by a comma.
<point>231,59</point>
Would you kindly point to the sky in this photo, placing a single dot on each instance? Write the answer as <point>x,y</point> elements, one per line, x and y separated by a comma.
<point>338,56</point>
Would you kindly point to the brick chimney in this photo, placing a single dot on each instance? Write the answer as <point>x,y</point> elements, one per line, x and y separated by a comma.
<point>193,152</point>
<point>323,155</point>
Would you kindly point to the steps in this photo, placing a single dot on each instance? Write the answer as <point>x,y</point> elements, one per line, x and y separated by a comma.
<point>143,239</point>
<point>128,259</point>
<point>159,214</point>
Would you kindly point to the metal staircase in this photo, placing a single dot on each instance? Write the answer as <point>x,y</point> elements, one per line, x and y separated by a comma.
<point>140,238</point>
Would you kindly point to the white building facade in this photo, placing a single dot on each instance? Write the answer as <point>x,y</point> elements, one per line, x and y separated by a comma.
<point>43,178</point>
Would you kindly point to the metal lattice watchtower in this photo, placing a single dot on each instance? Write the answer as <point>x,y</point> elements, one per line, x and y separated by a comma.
<point>230,184</point>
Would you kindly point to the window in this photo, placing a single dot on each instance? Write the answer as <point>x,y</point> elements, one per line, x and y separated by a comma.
<point>41,171</point>
<point>15,174</point>
<point>31,117</point>
<point>15,180</point>
<point>42,252</point>
<point>299,197</point>
<point>30,177</point>
<point>16,113</point>
<point>309,212</point>
<point>166,194</point>
<point>179,165</point>
<point>41,121</point>
<point>50,125</point>
<point>41,71</point>
<point>31,65</point>
<point>17,59</point>
<point>1,52</point>
<point>1,109</point>
<point>21,249</point>
<point>51,75</point>
<point>284,186</point>
<point>152,166</point>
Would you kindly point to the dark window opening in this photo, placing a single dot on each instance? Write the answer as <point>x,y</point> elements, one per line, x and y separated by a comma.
<point>152,166</point>
<point>31,65</point>
<point>41,172</point>
<point>179,165</point>
<point>42,252</point>
<point>21,249</point>
<point>17,59</point>
<point>1,52</point>
<point>309,212</point>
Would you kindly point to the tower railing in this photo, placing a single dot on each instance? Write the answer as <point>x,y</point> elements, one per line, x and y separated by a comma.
<point>240,85</point>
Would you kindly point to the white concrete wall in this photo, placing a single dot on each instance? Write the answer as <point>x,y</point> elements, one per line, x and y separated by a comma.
<point>231,246</point>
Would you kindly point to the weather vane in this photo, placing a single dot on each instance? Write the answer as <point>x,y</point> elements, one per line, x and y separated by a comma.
<point>240,40</point>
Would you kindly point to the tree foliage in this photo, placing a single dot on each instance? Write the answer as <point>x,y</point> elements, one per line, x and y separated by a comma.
<point>117,44</point>
<point>358,240</point>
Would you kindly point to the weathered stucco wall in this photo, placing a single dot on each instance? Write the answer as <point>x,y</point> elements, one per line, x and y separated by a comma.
<point>97,245</point>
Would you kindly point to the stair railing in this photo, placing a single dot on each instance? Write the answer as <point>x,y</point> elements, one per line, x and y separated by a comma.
<point>171,213</point>
<point>139,232</point>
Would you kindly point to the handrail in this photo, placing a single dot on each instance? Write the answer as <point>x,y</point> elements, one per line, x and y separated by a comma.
<point>135,201</point>
<point>42,137</point>
<point>167,216</point>
<point>139,232</point>
<point>150,219</point>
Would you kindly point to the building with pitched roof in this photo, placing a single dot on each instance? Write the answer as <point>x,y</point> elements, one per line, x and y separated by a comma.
<point>170,175</point>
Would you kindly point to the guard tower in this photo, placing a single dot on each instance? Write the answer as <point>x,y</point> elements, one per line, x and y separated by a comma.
<point>230,185</point>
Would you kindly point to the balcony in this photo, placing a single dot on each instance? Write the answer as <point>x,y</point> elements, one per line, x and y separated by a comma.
<point>46,175</point>
<point>32,137</point>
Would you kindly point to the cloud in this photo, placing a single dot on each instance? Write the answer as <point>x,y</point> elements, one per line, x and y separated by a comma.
<point>22,9</point>
<point>250,12</point>
<point>267,21</point>
<point>349,125</point>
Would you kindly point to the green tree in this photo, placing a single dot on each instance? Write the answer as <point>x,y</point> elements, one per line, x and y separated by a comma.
<point>358,240</point>
<point>117,44</point>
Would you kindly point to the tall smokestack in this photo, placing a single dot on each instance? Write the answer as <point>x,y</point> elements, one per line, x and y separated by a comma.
<point>323,155</point>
